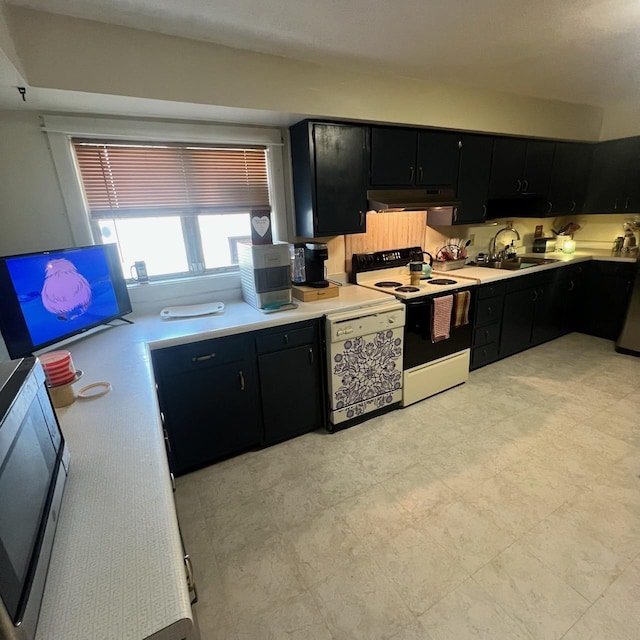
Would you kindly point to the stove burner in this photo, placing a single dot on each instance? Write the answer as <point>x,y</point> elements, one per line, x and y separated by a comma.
<point>444,281</point>
<point>407,289</point>
<point>388,283</point>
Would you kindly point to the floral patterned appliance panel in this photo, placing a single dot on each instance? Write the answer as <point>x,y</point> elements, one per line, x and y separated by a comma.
<point>365,371</point>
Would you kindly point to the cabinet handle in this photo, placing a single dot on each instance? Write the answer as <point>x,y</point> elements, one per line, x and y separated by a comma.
<point>286,338</point>
<point>241,380</point>
<point>573,206</point>
<point>411,174</point>
<point>519,186</point>
<point>162,418</point>
<point>484,210</point>
<point>572,286</point>
<point>489,311</point>
<point>549,207</point>
<point>420,174</point>
<point>362,218</point>
<point>615,204</point>
<point>167,442</point>
<point>459,144</point>
<point>173,482</point>
<point>541,293</point>
<point>626,203</point>
<point>311,357</point>
<point>525,186</point>
<point>535,295</point>
<point>191,580</point>
<point>203,358</point>
<point>486,333</point>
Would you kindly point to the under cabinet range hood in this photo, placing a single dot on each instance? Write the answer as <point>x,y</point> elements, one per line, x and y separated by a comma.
<point>411,199</point>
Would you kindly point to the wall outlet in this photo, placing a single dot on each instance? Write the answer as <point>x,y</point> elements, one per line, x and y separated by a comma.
<point>472,238</point>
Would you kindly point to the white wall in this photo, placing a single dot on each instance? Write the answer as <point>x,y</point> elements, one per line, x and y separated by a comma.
<point>60,52</point>
<point>620,122</point>
<point>32,212</point>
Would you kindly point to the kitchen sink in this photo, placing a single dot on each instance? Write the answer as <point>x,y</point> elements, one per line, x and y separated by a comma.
<point>515,264</point>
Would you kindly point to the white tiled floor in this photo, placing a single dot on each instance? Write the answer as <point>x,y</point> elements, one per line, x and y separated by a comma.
<point>507,508</point>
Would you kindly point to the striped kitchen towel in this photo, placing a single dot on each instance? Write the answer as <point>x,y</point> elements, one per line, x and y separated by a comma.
<point>441,318</point>
<point>461,301</point>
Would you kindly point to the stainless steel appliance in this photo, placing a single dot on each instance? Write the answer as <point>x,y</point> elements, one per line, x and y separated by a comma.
<point>34,462</point>
<point>430,366</point>
<point>629,340</point>
<point>364,361</point>
<point>544,245</point>
<point>265,275</point>
<point>315,254</point>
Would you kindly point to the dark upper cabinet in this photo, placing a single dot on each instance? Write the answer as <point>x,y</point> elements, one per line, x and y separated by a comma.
<point>412,157</point>
<point>393,156</point>
<point>614,183</point>
<point>473,178</point>
<point>520,167</point>
<point>569,178</point>
<point>329,178</point>
<point>438,159</point>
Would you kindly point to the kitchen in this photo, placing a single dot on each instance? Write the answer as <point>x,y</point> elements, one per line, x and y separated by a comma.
<point>25,147</point>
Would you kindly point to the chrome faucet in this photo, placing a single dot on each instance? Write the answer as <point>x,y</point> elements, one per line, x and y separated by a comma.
<point>501,254</point>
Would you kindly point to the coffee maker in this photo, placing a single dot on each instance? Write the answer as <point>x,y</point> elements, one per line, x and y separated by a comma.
<point>314,256</point>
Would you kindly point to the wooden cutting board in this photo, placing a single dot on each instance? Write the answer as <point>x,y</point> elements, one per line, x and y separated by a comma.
<point>311,294</point>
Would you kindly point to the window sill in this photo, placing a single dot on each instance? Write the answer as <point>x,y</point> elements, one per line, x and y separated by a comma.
<point>151,296</point>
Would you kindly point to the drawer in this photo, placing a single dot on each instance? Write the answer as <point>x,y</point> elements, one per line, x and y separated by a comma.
<point>294,337</point>
<point>199,355</point>
<point>484,355</point>
<point>486,334</point>
<point>489,310</point>
<point>491,290</point>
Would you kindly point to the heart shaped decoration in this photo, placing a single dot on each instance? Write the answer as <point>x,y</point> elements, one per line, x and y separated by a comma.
<point>261,225</point>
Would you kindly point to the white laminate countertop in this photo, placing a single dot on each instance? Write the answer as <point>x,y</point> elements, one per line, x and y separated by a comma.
<point>117,571</point>
<point>486,274</point>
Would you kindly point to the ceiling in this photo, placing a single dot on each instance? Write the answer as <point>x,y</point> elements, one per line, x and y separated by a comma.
<point>582,51</point>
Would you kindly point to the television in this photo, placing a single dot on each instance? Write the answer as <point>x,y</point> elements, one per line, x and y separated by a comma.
<point>49,296</point>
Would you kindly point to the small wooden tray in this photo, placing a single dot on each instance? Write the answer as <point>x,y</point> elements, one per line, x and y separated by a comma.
<point>311,294</point>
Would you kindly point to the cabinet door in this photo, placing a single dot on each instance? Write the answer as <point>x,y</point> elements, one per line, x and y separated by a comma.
<point>210,413</point>
<point>291,392</point>
<point>473,178</point>
<point>607,184</point>
<point>606,297</point>
<point>631,201</point>
<point>550,310</point>
<point>393,156</point>
<point>517,321</point>
<point>537,167</point>
<point>340,179</point>
<point>507,167</point>
<point>438,159</point>
<point>569,178</point>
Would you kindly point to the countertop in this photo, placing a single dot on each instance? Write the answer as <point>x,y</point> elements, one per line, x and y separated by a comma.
<point>116,570</point>
<point>485,274</point>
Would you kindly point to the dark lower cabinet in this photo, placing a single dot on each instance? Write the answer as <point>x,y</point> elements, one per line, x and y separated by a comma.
<point>291,388</point>
<point>605,303</point>
<point>487,325</point>
<point>222,396</point>
<point>517,321</point>
<point>209,400</point>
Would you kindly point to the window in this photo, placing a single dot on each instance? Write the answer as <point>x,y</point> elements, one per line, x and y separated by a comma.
<point>180,208</point>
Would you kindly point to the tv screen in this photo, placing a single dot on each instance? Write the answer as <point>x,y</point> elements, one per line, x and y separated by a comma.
<point>52,295</point>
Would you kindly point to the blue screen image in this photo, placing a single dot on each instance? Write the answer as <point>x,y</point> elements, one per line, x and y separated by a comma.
<point>62,293</point>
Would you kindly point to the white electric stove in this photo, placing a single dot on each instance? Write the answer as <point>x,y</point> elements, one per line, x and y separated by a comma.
<point>430,365</point>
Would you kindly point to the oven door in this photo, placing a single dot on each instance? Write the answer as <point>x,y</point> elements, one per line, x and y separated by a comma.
<point>418,347</point>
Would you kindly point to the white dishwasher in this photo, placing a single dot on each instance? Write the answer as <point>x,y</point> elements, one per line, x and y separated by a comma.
<point>364,360</point>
